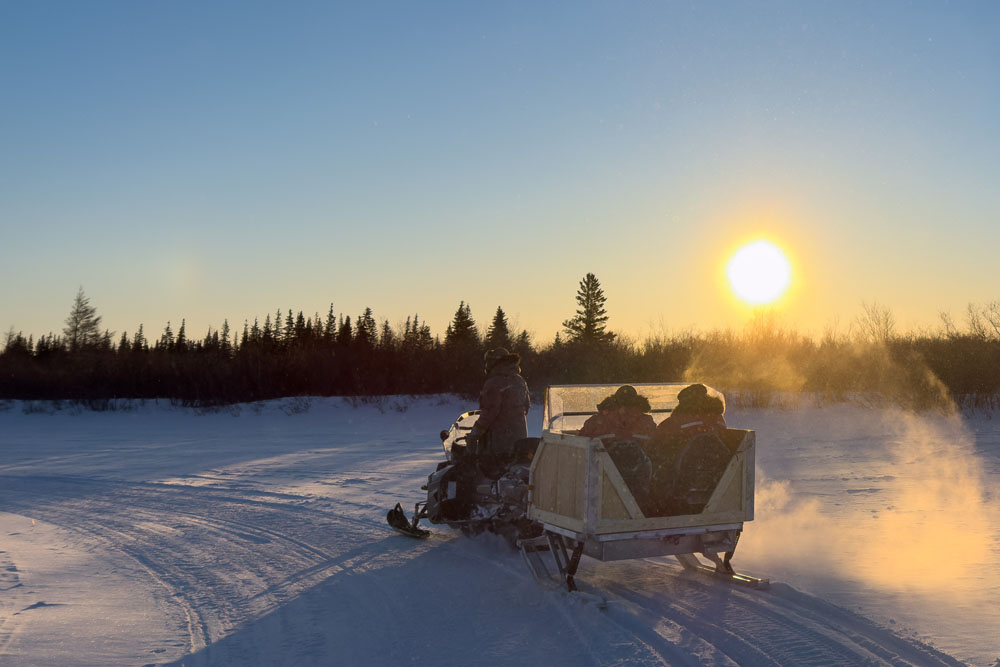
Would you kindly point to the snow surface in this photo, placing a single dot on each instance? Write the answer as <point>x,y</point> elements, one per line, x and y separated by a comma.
<point>256,535</point>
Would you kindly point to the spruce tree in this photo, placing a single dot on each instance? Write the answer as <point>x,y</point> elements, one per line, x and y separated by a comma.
<point>139,343</point>
<point>224,338</point>
<point>180,344</point>
<point>289,327</point>
<point>330,329</point>
<point>498,333</point>
<point>344,334</point>
<point>166,338</point>
<point>425,341</point>
<point>589,324</point>
<point>267,335</point>
<point>366,330</point>
<point>301,329</point>
<point>464,358</point>
<point>317,328</point>
<point>523,343</point>
<point>462,330</point>
<point>83,324</point>
<point>387,338</point>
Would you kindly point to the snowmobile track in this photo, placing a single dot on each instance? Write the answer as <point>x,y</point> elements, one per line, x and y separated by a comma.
<point>169,579</point>
<point>168,532</point>
<point>612,628</point>
<point>10,582</point>
<point>692,615</point>
<point>771,627</point>
<point>228,558</point>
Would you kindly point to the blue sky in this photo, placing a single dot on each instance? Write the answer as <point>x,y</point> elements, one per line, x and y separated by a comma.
<point>222,160</point>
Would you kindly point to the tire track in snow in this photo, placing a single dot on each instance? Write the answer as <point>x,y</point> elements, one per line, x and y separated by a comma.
<point>686,619</point>
<point>10,583</point>
<point>771,627</point>
<point>76,521</point>
<point>208,594</point>
<point>612,630</point>
<point>752,640</point>
<point>226,555</point>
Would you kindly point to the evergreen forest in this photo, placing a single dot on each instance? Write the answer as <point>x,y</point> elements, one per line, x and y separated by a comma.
<point>291,354</point>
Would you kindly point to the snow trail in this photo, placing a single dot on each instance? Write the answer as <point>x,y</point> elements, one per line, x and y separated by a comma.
<point>164,537</point>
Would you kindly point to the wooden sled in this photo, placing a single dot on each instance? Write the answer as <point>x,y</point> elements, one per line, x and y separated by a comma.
<point>586,508</point>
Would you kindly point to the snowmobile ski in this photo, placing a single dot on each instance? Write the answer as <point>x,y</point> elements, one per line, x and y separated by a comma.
<point>396,518</point>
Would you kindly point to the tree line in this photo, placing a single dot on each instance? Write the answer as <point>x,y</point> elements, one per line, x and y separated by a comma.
<point>333,354</point>
<point>285,355</point>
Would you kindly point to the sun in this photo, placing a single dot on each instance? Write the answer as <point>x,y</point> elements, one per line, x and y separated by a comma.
<point>759,272</point>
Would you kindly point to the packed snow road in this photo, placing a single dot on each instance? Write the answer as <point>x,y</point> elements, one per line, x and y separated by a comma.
<point>257,536</point>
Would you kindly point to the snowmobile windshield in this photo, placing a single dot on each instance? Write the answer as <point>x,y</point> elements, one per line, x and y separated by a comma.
<point>458,431</point>
<point>567,407</point>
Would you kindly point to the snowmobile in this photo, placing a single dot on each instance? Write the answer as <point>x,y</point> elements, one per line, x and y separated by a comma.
<point>565,496</point>
<point>475,489</point>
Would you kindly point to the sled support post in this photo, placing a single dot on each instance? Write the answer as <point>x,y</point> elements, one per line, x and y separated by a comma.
<point>566,560</point>
<point>720,565</point>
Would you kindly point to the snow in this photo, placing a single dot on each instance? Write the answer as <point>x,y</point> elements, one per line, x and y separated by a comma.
<point>256,535</point>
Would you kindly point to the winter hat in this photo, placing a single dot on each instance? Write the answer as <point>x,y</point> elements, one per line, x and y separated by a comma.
<point>625,397</point>
<point>695,400</point>
<point>692,393</point>
<point>499,355</point>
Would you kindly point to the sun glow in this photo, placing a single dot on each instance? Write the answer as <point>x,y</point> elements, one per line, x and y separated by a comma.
<point>759,272</point>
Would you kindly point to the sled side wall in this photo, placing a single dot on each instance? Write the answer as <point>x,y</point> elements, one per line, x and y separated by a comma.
<point>576,486</point>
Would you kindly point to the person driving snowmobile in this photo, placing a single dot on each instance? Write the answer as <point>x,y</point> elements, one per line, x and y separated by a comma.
<point>503,403</point>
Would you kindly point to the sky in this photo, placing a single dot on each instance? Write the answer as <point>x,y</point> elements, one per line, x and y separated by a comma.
<point>211,161</point>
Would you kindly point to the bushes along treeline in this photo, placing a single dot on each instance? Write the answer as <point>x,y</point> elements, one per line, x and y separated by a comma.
<point>329,356</point>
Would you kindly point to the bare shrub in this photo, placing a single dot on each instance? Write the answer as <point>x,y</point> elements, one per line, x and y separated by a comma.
<point>876,324</point>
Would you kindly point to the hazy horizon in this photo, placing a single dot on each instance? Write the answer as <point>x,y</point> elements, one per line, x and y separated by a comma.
<point>770,317</point>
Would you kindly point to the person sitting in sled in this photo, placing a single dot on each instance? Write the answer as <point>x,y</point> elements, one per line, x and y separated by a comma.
<point>623,424</point>
<point>503,405</point>
<point>697,413</point>
<point>622,416</point>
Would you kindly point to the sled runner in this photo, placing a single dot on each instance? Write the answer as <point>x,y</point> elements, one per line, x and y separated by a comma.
<point>562,496</point>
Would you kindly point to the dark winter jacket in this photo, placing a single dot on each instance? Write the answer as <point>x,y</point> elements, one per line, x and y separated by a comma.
<point>696,413</point>
<point>689,425</point>
<point>621,424</point>
<point>625,431</point>
<point>503,404</point>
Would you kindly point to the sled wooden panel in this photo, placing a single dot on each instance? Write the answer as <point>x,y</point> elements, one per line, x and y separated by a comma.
<point>616,499</point>
<point>577,487</point>
<point>730,495</point>
<point>612,505</point>
<point>558,472</point>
